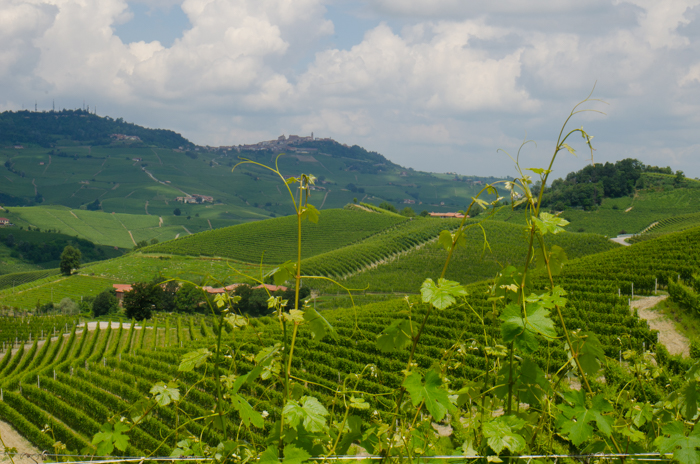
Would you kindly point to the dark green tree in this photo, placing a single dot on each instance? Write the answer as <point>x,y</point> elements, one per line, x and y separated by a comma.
<point>105,303</point>
<point>678,180</point>
<point>388,206</point>
<point>408,212</point>
<point>141,301</point>
<point>177,212</point>
<point>70,259</point>
<point>94,206</point>
<point>188,299</point>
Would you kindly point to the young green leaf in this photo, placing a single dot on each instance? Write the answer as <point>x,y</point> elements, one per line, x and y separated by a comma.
<point>436,399</point>
<point>684,448</point>
<point>578,416</point>
<point>319,325</point>
<point>395,337</point>
<point>308,411</point>
<point>246,412</point>
<point>589,351</point>
<point>194,359</point>
<point>501,433</point>
<point>165,394</point>
<point>443,295</point>
<point>236,320</point>
<point>286,271</point>
<point>311,213</point>
<point>569,148</point>
<point>549,223</point>
<point>111,437</point>
<point>445,239</point>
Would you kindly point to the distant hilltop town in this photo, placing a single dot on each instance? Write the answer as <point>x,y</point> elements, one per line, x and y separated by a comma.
<point>282,143</point>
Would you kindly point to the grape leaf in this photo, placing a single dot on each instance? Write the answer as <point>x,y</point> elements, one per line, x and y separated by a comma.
<point>556,257</point>
<point>501,433</point>
<point>194,359</point>
<point>684,448</point>
<point>589,351</point>
<point>319,325</point>
<point>311,213</point>
<point>286,271</point>
<point>110,438</point>
<point>395,337</point>
<point>688,398</point>
<point>246,412</point>
<point>165,394</point>
<point>446,239</point>
<point>442,295</point>
<point>578,416</point>
<point>294,455</point>
<point>436,399</point>
<point>308,411</point>
<point>549,223</point>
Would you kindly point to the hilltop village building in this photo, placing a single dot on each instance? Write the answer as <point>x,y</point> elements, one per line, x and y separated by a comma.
<point>282,143</point>
<point>195,198</point>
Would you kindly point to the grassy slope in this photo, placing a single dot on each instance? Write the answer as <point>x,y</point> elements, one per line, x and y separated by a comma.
<point>277,237</point>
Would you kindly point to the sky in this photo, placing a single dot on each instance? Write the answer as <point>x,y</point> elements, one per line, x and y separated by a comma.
<point>436,85</point>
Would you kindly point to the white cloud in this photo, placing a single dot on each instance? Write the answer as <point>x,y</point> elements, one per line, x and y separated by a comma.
<point>449,77</point>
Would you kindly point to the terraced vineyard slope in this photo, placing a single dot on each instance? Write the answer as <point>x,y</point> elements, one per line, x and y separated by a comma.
<point>276,238</point>
<point>83,379</point>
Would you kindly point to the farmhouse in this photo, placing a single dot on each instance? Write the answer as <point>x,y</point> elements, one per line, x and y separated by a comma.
<point>5,222</point>
<point>195,198</point>
<point>447,215</point>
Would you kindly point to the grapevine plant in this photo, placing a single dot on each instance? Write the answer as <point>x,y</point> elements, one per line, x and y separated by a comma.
<point>517,407</point>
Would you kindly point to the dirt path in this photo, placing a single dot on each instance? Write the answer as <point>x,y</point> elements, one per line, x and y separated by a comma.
<point>147,213</point>
<point>132,237</point>
<point>13,439</point>
<point>47,166</point>
<point>160,221</point>
<point>34,184</point>
<point>620,240</point>
<point>674,342</point>
<point>324,200</point>
<point>156,153</point>
<point>210,227</point>
<point>74,215</point>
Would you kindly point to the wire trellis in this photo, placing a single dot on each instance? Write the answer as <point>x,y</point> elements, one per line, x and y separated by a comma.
<point>454,458</point>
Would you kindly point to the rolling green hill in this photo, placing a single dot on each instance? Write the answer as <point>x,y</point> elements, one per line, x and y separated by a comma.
<point>404,272</point>
<point>276,238</point>
<point>70,160</point>
<point>98,373</point>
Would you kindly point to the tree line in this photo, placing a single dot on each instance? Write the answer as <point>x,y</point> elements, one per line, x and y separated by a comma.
<point>45,128</point>
<point>146,298</point>
<point>588,187</point>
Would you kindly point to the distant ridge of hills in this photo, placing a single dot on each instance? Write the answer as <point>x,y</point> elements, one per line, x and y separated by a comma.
<point>49,128</point>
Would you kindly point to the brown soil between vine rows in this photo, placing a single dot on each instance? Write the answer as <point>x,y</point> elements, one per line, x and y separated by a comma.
<point>674,341</point>
<point>13,439</point>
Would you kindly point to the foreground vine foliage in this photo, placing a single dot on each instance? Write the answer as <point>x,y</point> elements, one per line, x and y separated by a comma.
<point>516,407</point>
